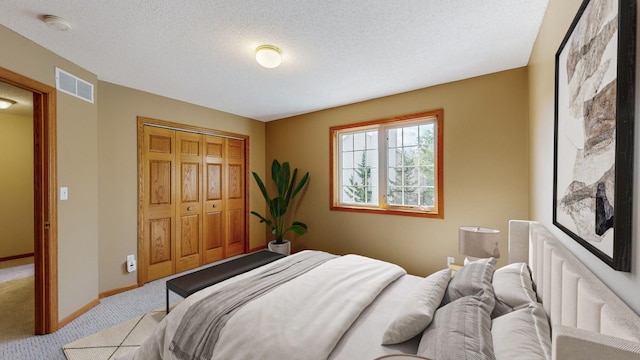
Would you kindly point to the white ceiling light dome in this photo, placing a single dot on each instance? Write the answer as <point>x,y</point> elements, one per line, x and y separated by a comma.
<point>6,103</point>
<point>56,22</point>
<point>268,56</point>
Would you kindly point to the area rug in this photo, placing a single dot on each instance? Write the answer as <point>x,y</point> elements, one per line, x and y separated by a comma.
<point>116,340</point>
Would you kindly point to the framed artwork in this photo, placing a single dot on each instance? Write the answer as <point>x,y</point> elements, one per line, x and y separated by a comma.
<point>594,121</point>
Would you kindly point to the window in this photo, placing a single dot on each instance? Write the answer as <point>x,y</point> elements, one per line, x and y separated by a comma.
<point>391,166</point>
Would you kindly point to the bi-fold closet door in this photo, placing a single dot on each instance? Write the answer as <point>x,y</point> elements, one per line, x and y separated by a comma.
<point>194,200</point>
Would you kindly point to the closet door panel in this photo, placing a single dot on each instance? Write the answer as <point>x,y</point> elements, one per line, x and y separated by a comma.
<point>213,232</point>
<point>192,203</point>
<point>213,204</point>
<point>235,197</point>
<point>236,232</point>
<point>159,202</point>
<point>189,214</point>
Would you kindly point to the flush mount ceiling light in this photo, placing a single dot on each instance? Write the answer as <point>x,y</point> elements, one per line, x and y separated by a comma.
<point>268,56</point>
<point>6,103</point>
<point>56,22</point>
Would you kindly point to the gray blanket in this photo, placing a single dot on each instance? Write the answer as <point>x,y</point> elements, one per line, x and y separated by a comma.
<point>200,327</point>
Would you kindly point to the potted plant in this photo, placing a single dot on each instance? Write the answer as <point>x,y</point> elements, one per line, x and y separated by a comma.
<point>287,189</point>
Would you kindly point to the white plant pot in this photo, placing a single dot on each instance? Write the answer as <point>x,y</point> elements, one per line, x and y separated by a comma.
<point>284,249</point>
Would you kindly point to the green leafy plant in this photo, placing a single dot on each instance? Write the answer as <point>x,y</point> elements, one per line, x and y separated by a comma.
<point>287,190</point>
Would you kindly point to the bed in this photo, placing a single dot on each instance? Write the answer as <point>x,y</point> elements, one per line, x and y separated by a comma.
<point>545,304</point>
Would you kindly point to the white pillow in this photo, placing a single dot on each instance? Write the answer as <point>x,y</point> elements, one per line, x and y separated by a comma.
<point>522,334</point>
<point>416,312</point>
<point>460,330</point>
<point>513,288</point>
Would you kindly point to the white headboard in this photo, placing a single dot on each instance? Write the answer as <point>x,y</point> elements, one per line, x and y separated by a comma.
<point>577,302</point>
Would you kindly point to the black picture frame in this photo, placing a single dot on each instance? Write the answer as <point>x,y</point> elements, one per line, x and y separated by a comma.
<point>593,130</point>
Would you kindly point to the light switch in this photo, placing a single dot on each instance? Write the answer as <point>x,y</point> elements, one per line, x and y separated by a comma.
<point>64,193</point>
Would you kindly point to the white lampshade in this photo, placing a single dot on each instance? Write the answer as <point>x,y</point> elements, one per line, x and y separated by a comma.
<point>268,56</point>
<point>6,103</point>
<point>479,242</point>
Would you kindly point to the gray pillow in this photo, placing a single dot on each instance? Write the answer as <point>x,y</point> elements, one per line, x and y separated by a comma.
<point>471,279</point>
<point>416,312</point>
<point>522,334</point>
<point>460,330</point>
<point>513,288</point>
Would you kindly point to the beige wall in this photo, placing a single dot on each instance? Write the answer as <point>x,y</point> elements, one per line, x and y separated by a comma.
<point>82,273</point>
<point>498,130</point>
<point>16,180</point>
<point>485,171</point>
<point>117,143</point>
<point>77,169</point>
<point>559,15</point>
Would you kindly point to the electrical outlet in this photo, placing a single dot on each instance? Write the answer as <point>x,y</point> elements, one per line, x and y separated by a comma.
<point>450,260</point>
<point>131,263</point>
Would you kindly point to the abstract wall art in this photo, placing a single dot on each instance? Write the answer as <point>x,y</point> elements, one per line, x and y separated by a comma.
<point>594,117</point>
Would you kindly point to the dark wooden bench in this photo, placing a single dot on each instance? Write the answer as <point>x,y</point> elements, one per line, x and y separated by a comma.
<point>188,284</point>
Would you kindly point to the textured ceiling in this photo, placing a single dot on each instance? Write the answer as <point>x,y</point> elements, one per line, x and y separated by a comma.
<point>334,52</point>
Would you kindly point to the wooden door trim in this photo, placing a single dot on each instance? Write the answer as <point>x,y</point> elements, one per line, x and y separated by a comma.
<point>141,122</point>
<point>45,200</point>
<point>190,128</point>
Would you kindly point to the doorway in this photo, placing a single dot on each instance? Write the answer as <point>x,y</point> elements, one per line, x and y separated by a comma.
<point>44,200</point>
<point>16,213</point>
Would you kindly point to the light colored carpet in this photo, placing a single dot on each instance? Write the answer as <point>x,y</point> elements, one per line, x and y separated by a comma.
<point>16,311</point>
<point>116,340</point>
<point>16,299</point>
<point>111,311</point>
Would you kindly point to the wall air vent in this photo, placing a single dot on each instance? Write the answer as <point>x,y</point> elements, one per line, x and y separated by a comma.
<point>73,85</point>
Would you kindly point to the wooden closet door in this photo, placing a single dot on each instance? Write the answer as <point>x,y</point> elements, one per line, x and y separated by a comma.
<point>213,206</point>
<point>159,201</point>
<point>189,207</point>
<point>234,195</point>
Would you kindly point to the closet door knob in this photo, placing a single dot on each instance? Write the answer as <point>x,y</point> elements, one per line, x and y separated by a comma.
<point>189,208</point>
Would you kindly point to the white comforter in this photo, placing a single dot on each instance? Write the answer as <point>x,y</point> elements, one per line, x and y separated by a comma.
<point>302,319</point>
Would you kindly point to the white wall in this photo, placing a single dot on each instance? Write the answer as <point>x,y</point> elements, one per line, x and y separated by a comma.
<point>560,14</point>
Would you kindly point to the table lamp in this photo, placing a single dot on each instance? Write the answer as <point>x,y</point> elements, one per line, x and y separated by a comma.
<point>477,242</point>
